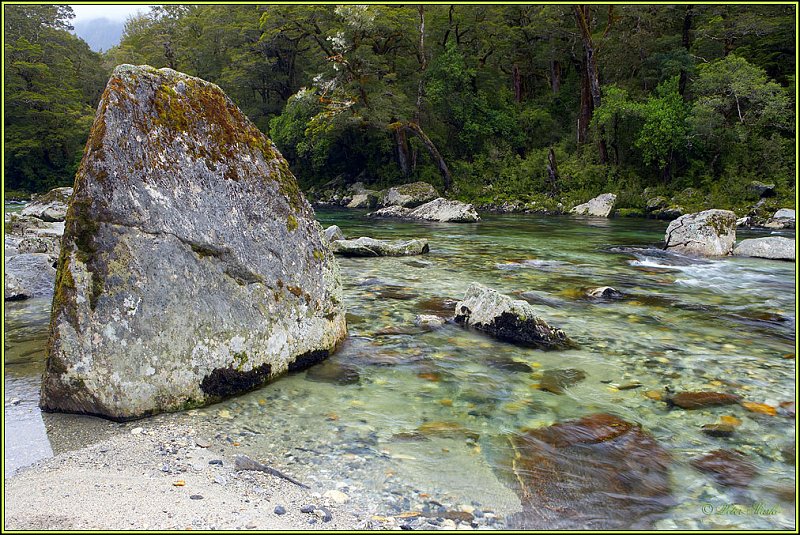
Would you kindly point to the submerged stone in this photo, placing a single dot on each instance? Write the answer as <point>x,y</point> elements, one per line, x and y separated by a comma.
<point>701,400</point>
<point>555,381</point>
<point>727,467</point>
<point>511,320</point>
<point>192,267</point>
<point>598,472</point>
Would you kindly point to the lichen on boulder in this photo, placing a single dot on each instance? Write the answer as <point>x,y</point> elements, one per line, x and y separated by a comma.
<point>191,267</point>
<point>707,233</point>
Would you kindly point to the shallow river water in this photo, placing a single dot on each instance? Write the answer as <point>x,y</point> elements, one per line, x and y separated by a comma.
<point>413,420</point>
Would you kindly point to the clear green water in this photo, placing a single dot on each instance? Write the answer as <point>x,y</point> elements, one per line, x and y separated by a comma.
<point>723,325</point>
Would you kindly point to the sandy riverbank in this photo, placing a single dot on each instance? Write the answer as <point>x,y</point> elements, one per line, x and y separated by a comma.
<point>129,482</point>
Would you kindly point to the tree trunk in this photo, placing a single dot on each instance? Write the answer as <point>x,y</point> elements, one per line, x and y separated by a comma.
<point>555,76</point>
<point>401,143</point>
<point>585,115</point>
<point>517,78</point>
<point>552,173</point>
<point>582,15</point>
<point>686,41</point>
<point>423,63</point>
<point>414,129</point>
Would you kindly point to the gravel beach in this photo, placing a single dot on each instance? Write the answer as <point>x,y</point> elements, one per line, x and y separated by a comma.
<point>162,477</point>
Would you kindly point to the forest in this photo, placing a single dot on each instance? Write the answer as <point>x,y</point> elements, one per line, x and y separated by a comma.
<point>489,103</point>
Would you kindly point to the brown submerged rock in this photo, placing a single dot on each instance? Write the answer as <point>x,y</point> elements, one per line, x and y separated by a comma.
<point>701,400</point>
<point>555,381</point>
<point>597,472</point>
<point>727,467</point>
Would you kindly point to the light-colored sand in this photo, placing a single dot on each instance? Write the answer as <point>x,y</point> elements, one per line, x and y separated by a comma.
<point>127,482</point>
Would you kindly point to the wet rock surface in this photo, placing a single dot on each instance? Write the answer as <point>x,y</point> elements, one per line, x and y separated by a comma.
<point>727,467</point>
<point>701,400</point>
<point>555,381</point>
<point>597,472</point>
<point>187,241</point>
<point>708,233</point>
<point>508,319</point>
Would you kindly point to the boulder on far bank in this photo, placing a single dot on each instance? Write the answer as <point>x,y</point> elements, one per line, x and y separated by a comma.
<point>365,246</point>
<point>707,233</point>
<point>771,247</point>
<point>50,206</point>
<point>783,218</point>
<point>600,206</point>
<point>508,319</point>
<point>409,195</point>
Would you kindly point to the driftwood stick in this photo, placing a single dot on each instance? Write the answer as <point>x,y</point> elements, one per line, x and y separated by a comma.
<point>243,462</point>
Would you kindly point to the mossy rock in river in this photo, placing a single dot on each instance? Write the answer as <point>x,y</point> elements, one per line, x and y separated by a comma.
<point>192,268</point>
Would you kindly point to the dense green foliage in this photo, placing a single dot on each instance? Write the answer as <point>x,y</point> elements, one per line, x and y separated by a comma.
<point>52,83</point>
<point>674,97</point>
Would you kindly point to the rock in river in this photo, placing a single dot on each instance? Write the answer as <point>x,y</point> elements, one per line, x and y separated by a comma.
<point>29,275</point>
<point>598,472</point>
<point>442,210</point>
<point>192,267</point>
<point>555,381</point>
<point>772,247</point>
<point>333,233</point>
<point>708,233</point>
<point>701,400</point>
<point>727,467</point>
<point>409,195</point>
<point>371,247</point>
<point>512,320</point>
<point>52,206</point>
<point>600,206</point>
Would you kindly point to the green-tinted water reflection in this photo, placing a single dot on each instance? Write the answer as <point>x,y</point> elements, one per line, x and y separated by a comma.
<point>431,411</point>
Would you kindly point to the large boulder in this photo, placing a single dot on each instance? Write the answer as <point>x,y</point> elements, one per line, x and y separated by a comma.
<point>192,267</point>
<point>409,195</point>
<point>772,247</point>
<point>511,320</point>
<point>783,218</point>
<point>52,206</point>
<point>441,210</point>
<point>600,206</point>
<point>708,233</point>
<point>333,233</point>
<point>371,247</point>
<point>29,275</point>
<point>367,199</point>
<point>597,472</point>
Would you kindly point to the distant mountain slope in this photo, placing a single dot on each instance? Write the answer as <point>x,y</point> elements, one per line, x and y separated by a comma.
<point>101,34</point>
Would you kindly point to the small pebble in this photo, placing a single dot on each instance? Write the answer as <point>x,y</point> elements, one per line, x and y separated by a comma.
<point>136,431</point>
<point>195,497</point>
<point>165,468</point>
<point>251,525</point>
<point>307,509</point>
<point>324,514</point>
<point>215,461</point>
<point>279,510</point>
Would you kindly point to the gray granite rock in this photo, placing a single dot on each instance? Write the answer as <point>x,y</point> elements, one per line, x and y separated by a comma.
<point>371,247</point>
<point>772,247</point>
<point>707,233</point>
<point>192,267</point>
<point>600,206</point>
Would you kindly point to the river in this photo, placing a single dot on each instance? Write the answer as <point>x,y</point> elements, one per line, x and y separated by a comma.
<point>406,419</point>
